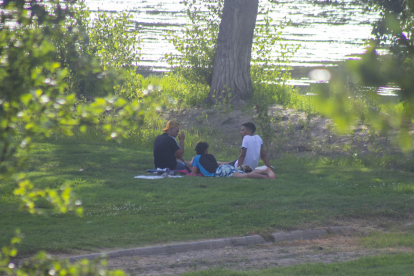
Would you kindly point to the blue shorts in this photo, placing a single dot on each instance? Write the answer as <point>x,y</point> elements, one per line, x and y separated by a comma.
<point>180,166</point>
<point>226,171</point>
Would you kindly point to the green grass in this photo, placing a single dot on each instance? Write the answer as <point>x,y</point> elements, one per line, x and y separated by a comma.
<point>393,240</point>
<point>123,212</point>
<point>398,265</point>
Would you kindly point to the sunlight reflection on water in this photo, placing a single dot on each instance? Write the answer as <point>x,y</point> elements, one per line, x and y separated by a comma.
<point>388,91</point>
<point>327,34</point>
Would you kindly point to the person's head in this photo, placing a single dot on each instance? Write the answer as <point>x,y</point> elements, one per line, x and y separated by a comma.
<point>248,128</point>
<point>172,128</point>
<point>201,148</point>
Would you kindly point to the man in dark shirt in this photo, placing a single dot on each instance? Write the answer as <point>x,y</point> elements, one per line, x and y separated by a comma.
<point>167,152</point>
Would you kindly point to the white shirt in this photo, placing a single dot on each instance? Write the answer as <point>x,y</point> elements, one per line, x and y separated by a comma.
<point>253,145</point>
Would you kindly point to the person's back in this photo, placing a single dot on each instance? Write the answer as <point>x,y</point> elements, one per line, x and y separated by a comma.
<point>167,152</point>
<point>164,148</point>
<point>206,163</point>
<point>253,145</point>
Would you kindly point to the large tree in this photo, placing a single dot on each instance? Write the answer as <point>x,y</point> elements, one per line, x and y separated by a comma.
<point>231,76</point>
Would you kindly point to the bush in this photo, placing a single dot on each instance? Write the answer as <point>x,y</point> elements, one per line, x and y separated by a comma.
<point>100,38</point>
<point>42,48</point>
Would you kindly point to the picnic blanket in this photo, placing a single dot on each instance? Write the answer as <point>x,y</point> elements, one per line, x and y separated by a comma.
<point>171,173</point>
<point>165,173</point>
<point>189,173</point>
<point>156,176</point>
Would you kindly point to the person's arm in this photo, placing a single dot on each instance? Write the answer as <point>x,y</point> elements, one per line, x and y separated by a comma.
<point>242,156</point>
<point>264,157</point>
<point>195,170</point>
<point>179,153</point>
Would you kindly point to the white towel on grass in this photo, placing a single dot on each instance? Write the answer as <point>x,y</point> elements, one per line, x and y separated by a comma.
<point>155,176</point>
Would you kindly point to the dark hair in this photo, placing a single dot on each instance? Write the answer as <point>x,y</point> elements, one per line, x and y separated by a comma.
<point>250,125</point>
<point>201,147</point>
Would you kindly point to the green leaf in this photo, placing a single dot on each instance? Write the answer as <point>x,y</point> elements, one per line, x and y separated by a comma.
<point>25,98</point>
<point>405,140</point>
<point>16,240</point>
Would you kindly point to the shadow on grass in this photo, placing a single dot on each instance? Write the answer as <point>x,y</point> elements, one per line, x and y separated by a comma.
<point>120,211</point>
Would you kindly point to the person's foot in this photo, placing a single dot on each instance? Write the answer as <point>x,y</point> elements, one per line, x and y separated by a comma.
<point>270,173</point>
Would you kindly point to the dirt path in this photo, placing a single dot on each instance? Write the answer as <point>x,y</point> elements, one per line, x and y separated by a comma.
<point>327,250</point>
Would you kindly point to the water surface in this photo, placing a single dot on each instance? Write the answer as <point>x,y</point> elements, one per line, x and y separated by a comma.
<point>327,33</point>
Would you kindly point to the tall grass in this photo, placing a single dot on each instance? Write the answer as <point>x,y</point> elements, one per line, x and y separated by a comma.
<point>169,91</point>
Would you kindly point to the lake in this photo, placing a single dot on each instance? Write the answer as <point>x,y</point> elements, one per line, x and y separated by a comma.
<point>327,33</point>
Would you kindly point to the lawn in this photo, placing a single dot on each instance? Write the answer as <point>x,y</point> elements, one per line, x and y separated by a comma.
<point>123,212</point>
<point>396,265</point>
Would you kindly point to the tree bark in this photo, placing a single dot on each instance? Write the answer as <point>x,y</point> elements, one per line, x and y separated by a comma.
<point>231,80</point>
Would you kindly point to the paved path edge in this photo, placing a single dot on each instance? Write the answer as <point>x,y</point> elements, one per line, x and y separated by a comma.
<point>218,243</point>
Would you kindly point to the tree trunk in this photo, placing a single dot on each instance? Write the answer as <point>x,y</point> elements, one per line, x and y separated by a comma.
<point>231,80</point>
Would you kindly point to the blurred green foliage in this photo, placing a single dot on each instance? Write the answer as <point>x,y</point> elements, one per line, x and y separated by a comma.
<point>43,264</point>
<point>46,51</point>
<point>338,98</point>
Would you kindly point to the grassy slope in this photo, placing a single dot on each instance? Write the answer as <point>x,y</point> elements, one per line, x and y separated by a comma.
<point>121,211</point>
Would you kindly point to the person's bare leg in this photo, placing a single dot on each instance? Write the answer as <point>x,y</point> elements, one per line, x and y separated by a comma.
<point>270,173</point>
<point>267,171</point>
<point>250,175</point>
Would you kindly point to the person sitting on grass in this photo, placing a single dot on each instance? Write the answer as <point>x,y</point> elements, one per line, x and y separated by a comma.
<point>207,165</point>
<point>251,149</point>
<point>167,153</point>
